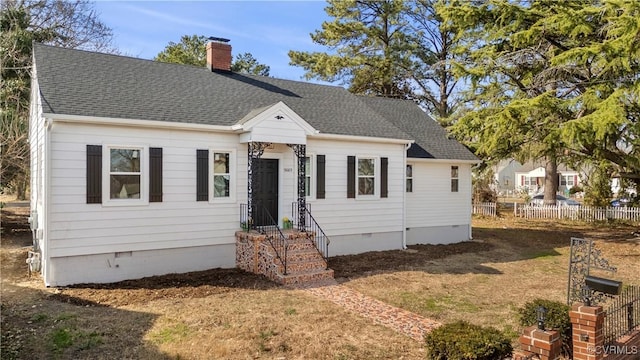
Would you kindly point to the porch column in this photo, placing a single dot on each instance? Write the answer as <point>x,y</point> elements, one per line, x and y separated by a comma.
<point>301,150</point>
<point>255,151</point>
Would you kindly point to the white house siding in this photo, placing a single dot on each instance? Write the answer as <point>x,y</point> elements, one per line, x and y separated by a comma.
<point>38,178</point>
<point>359,225</point>
<point>435,215</point>
<point>81,233</point>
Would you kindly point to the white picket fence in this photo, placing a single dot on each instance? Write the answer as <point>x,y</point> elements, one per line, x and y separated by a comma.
<point>585,213</point>
<point>486,209</point>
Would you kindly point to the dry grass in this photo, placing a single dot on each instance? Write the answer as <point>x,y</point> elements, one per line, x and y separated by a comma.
<point>519,261</point>
<point>229,314</point>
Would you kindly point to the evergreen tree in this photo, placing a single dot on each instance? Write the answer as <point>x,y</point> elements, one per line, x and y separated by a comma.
<point>551,80</point>
<point>191,50</point>
<point>372,51</point>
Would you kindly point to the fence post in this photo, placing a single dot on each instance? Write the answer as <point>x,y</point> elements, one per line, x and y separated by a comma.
<point>588,337</point>
<point>515,209</point>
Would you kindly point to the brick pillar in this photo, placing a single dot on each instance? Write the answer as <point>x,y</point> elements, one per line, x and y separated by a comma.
<point>588,337</point>
<point>546,344</point>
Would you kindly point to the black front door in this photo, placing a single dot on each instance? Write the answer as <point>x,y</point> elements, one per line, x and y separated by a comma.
<point>265,195</point>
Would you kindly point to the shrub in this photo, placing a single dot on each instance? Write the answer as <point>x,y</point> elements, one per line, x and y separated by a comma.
<point>576,189</point>
<point>463,341</point>
<point>557,318</point>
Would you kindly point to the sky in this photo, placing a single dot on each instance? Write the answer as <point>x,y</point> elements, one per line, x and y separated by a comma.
<point>266,29</point>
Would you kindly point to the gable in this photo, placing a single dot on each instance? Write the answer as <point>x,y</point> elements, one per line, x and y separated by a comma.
<point>274,124</point>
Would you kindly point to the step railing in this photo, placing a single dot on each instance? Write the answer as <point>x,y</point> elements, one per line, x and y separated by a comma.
<point>262,222</point>
<point>320,239</point>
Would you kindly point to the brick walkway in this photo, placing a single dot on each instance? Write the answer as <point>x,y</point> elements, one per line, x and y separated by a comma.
<point>402,321</point>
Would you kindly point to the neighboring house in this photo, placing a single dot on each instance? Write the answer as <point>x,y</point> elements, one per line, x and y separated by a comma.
<point>504,176</point>
<point>530,178</point>
<point>143,168</point>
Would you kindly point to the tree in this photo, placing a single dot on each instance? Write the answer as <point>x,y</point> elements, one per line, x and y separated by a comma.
<point>372,51</point>
<point>191,50</point>
<point>432,69</point>
<point>552,80</point>
<point>246,63</point>
<point>387,48</point>
<point>62,23</point>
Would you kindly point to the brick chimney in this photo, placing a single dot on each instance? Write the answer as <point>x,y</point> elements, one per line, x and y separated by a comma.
<point>218,54</point>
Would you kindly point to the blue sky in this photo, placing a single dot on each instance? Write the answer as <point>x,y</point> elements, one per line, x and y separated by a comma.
<point>266,29</point>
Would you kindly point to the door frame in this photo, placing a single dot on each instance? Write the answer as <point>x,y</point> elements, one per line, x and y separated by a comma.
<point>278,156</point>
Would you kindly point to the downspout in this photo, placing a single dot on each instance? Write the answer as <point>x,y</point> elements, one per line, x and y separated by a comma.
<point>404,197</point>
<point>48,123</point>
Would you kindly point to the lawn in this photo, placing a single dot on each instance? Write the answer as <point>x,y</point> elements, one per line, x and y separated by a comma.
<point>230,314</point>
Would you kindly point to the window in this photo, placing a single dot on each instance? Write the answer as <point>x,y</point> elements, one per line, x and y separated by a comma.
<point>307,176</point>
<point>215,175</point>
<point>366,176</point>
<point>567,180</point>
<point>221,175</point>
<point>409,176</point>
<point>530,181</point>
<point>124,173</point>
<point>454,179</point>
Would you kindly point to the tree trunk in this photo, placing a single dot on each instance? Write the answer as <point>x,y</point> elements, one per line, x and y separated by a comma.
<point>550,181</point>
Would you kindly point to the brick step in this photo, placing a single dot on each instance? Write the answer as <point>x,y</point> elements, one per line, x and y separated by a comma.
<point>303,255</point>
<point>305,277</point>
<point>294,267</point>
<point>300,245</point>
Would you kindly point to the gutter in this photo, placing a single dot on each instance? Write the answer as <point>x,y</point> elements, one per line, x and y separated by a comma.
<point>81,119</point>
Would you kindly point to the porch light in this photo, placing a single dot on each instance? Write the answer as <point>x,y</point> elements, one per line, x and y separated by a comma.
<point>541,313</point>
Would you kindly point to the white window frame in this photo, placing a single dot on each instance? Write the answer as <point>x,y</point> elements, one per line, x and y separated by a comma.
<point>407,178</point>
<point>376,178</point>
<point>232,176</point>
<point>568,180</point>
<point>106,176</point>
<point>311,175</point>
<point>457,177</point>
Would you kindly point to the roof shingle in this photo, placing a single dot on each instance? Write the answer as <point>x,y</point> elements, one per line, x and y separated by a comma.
<point>76,82</point>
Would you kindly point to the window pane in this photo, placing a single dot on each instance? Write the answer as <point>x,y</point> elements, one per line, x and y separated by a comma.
<point>409,185</point>
<point>454,171</point>
<point>454,185</point>
<point>366,167</point>
<point>409,170</point>
<point>221,186</point>
<point>125,187</point>
<point>221,163</point>
<point>307,186</point>
<point>125,160</point>
<point>366,186</point>
<point>307,166</point>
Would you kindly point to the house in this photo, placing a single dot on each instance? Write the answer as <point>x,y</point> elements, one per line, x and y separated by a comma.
<point>530,177</point>
<point>143,168</point>
<point>511,176</point>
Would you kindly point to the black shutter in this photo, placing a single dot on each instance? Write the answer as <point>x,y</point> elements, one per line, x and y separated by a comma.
<point>94,174</point>
<point>202,176</point>
<point>351,177</point>
<point>384,177</point>
<point>320,161</point>
<point>155,174</point>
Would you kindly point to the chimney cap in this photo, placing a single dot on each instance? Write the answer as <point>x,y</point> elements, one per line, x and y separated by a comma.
<point>218,39</point>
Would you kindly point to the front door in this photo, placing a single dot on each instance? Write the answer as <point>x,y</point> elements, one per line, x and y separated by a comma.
<point>265,195</point>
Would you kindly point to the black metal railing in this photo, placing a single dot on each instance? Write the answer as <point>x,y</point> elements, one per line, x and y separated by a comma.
<point>262,222</point>
<point>320,239</point>
<point>622,315</point>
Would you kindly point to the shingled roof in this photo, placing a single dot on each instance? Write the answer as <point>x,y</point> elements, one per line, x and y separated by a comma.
<point>431,140</point>
<point>76,82</point>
